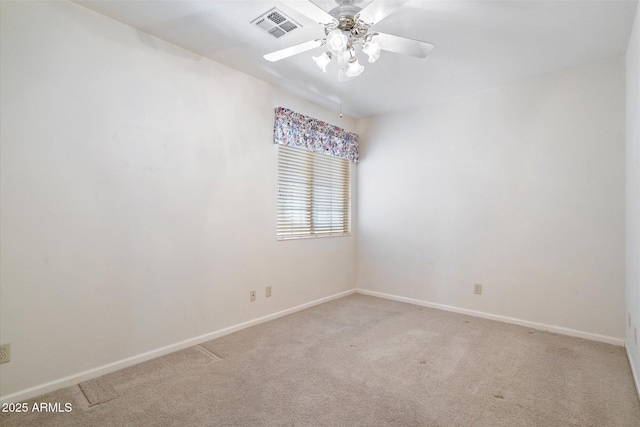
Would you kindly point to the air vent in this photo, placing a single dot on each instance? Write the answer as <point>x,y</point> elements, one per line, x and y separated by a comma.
<point>276,23</point>
<point>288,26</point>
<point>276,17</point>
<point>277,32</point>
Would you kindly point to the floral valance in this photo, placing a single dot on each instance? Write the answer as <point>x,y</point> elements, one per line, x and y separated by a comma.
<point>297,130</point>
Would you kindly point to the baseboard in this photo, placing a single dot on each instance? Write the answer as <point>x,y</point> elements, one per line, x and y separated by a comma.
<point>528,324</point>
<point>634,373</point>
<point>125,363</point>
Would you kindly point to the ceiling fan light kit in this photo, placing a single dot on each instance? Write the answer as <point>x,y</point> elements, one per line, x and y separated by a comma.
<point>346,28</point>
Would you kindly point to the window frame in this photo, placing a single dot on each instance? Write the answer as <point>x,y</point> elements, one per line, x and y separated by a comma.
<point>311,186</point>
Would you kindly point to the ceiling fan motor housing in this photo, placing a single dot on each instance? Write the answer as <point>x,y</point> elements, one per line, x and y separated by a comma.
<point>351,27</point>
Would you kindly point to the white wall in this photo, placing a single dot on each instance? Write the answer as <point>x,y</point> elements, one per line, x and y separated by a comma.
<point>633,196</point>
<point>519,188</point>
<point>138,197</point>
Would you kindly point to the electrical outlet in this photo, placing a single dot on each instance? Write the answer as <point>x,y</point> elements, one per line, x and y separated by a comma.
<point>5,353</point>
<point>477,289</point>
<point>253,295</point>
<point>268,291</point>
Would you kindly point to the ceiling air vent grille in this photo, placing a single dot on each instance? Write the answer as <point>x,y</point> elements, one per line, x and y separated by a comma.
<point>276,17</point>
<point>288,26</point>
<point>275,22</point>
<point>276,32</point>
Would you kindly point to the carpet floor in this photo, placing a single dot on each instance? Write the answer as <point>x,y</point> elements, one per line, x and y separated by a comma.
<point>363,361</point>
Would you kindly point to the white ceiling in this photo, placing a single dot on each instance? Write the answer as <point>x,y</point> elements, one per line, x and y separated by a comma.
<point>478,44</point>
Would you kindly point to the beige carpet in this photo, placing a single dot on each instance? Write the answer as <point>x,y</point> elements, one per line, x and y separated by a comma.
<point>364,361</point>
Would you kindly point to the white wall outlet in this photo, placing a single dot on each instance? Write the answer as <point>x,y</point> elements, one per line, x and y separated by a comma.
<point>268,291</point>
<point>477,289</point>
<point>5,353</point>
<point>253,295</point>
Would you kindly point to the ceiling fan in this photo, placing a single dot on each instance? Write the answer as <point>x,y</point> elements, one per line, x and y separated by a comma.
<point>346,27</point>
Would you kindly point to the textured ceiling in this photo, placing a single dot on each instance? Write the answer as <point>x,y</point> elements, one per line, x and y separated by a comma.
<point>478,45</point>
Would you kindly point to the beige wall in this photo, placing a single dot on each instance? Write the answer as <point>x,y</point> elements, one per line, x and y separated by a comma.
<point>633,197</point>
<point>519,188</point>
<point>138,200</point>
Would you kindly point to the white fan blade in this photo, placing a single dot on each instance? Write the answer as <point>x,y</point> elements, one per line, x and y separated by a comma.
<point>403,45</point>
<point>376,11</point>
<point>293,50</point>
<point>311,11</point>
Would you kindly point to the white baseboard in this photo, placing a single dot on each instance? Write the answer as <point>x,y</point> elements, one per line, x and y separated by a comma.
<point>528,324</point>
<point>125,363</point>
<point>634,373</point>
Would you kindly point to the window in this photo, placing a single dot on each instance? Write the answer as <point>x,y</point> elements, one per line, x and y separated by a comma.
<point>314,194</point>
<point>314,176</point>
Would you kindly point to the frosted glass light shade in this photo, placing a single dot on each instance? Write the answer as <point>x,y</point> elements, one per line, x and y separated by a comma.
<point>336,41</point>
<point>372,49</point>
<point>322,61</point>
<point>354,68</point>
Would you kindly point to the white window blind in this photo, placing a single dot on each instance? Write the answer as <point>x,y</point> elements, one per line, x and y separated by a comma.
<point>314,194</point>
